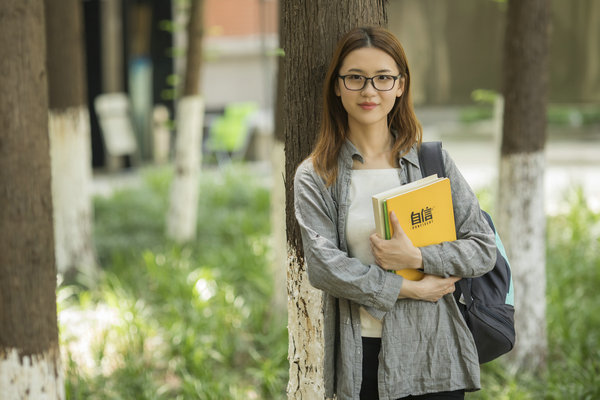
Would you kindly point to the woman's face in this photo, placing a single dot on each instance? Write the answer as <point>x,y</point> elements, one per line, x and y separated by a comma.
<point>368,106</point>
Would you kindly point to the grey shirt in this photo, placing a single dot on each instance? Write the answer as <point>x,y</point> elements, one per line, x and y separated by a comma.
<point>426,347</point>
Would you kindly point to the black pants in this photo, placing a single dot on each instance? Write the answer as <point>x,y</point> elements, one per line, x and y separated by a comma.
<point>368,389</point>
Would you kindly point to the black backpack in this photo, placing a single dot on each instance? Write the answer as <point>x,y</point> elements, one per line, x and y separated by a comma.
<point>489,299</point>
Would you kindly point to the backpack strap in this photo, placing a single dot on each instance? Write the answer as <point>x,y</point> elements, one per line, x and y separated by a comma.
<point>431,161</point>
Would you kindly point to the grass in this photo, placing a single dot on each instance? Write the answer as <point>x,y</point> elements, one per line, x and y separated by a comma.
<point>573,323</point>
<point>177,322</point>
<point>573,319</point>
<point>557,114</point>
<point>195,322</point>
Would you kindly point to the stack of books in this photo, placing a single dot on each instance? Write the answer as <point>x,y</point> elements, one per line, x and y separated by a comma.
<point>424,210</point>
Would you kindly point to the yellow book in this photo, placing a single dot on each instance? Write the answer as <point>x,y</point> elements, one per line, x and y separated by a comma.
<point>424,210</point>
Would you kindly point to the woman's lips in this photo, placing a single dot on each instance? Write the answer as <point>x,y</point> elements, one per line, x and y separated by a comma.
<point>367,106</point>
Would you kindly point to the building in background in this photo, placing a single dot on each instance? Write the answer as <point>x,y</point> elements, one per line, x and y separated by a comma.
<point>241,41</point>
<point>136,47</point>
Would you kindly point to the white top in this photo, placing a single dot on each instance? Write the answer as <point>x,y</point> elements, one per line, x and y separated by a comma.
<point>361,224</point>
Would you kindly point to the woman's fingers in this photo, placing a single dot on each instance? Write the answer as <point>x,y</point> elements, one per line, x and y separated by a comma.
<point>398,252</point>
<point>435,287</point>
<point>398,231</point>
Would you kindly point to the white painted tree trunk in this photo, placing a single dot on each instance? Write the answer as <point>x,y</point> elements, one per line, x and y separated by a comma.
<point>522,223</point>
<point>183,204</point>
<point>70,152</point>
<point>305,330</point>
<point>38,377</point>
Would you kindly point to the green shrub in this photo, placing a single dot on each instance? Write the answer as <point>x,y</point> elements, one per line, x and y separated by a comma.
<point>187,321</point>
<point>573,322</point>
<point>573,277</point>
<point>193,322</point>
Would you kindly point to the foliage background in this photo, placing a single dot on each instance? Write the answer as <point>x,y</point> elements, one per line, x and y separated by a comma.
<point>177,322</point>
<point>195,322</point>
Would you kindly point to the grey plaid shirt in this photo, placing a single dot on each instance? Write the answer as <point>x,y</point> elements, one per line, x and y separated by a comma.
<point>426,347</point>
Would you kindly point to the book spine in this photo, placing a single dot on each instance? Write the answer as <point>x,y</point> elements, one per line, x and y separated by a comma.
<point>386,220</point>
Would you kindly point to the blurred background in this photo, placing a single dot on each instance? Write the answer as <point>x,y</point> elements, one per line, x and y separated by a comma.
<point>454,50</point>
<point>159,318</point>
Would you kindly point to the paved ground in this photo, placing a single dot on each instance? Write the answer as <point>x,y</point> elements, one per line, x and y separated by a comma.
<point>572,157</point>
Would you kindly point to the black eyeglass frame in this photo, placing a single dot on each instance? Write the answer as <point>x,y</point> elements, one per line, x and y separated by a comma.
<point>367,79</point>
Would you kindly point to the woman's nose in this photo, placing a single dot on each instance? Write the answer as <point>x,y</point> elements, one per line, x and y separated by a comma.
<point>369,86</point>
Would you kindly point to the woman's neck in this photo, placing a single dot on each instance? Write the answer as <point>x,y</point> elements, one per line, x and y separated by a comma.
<point>375,145</point>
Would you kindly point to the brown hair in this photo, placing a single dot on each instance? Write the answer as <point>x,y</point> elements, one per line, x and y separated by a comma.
<point>334,121</point>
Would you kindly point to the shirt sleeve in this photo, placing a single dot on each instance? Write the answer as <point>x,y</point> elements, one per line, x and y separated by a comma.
<point>329,268</point>
<point>474,252</point>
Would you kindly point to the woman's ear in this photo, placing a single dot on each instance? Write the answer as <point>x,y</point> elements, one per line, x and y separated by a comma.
<point>336,88</point>
<point>400,87</point>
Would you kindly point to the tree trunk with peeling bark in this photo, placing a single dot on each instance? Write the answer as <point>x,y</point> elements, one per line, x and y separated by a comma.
<point>521,217</point>
<point>277,212</point>
<point>29,353</point>
<point>70,138</point>
<point>309,31</point>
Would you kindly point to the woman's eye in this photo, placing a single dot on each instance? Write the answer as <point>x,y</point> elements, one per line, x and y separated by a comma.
<point>355,77</point>
<point>383,78</point>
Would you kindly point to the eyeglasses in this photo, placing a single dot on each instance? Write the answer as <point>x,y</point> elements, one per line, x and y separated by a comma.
<point>382,83</point>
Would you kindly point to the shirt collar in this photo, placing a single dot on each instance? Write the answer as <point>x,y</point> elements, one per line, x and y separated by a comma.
<point>412,156</point>
<point>349,152</point>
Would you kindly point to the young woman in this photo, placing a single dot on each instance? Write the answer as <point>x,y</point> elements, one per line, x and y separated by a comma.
<point>385,337</point>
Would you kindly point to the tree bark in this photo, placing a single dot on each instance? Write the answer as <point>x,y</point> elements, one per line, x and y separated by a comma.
<point>309,32</point>
<point>591,39</point>
<point>412,28</point>
<point>29,354</point>
<point>440,86</point>
<point>65,60</point>
<point>70,140</point>
<point>112,46</point>
<point>193,70</point>
<point>183,205</point>
<point>521,196</point>
<point>277,213</point>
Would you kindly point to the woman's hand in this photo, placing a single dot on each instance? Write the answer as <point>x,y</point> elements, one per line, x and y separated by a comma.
<point>398,252</point>
<point>430,288</point>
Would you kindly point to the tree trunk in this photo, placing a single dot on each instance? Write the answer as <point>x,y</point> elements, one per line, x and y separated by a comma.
<point>521,194</point>
<point>193,70</point>
<point>183,206</point>
<point>309,32</point>
<point>29,354</point>
<point>112,46</point>
<point>412,28</point>
<point>591,39</point>
<point>440,87</point>
<point>70,140</point>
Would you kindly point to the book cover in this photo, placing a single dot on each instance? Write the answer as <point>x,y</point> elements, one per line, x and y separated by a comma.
<point>424,210</point>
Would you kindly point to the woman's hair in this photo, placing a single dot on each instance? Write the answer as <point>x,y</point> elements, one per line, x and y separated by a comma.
<point>334,121</point>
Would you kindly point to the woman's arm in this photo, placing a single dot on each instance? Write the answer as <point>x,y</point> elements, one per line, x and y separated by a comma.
<point>399,253</point>
<point>329,268</point>
<point>472,254</point>
<point>430,288</point>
